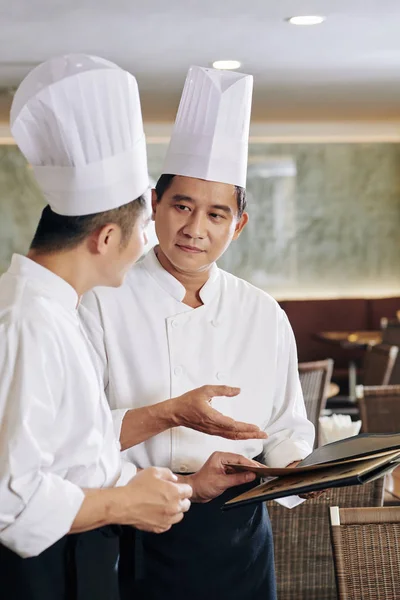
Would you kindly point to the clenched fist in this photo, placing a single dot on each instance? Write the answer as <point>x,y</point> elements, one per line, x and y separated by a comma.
<point>154,501</point>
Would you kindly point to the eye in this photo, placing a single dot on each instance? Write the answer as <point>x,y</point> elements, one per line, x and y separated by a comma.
<point>182,207</point>
<point>217,216</point>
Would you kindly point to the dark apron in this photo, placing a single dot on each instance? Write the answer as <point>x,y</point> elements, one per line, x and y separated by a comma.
<point>210,555</point>
<point>78,567</point>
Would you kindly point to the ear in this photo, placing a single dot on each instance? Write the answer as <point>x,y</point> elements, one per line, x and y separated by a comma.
<point>240,225</point>
<point>106,238</point>
<point>154,203</point>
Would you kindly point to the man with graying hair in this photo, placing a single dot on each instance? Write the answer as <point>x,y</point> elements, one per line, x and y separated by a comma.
<point>180,322</point>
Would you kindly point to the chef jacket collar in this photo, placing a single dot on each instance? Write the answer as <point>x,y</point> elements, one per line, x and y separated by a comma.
<point>47,282</point>
<point>173,287</point>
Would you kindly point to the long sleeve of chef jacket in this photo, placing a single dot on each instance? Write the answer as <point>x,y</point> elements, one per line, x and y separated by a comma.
<point>290,433</point>
<point>91,319</point>
<point>37,507</point>
<point>154,347</point>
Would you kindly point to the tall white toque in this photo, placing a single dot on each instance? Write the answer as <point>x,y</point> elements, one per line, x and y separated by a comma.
<point>78,121</point>
<point>211,132</point>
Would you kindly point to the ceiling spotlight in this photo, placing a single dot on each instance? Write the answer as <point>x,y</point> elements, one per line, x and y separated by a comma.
<point>307,20</point>
<point>226,64</point>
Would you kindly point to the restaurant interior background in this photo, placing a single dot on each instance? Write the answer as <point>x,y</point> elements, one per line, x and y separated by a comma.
<point>324,154</point>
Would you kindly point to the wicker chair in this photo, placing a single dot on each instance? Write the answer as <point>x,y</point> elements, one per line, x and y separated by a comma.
<point>390,331</point>
<point>379,408</point>
<point>366,551</point>
<point>391,335</point>
<point>303,553</point>
<point>315,378</point>
<point>395,376</point>
<point>379,361</point>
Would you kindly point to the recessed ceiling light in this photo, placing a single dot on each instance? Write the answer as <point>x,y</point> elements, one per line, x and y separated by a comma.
<point>307,20</point>
<point>226,64</point>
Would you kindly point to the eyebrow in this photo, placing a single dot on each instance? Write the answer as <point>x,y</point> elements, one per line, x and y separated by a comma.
<point>184,198</point>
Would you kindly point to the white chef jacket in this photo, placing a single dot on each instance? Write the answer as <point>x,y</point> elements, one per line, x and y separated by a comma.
<point>153,347</point>
<point>56,430</point>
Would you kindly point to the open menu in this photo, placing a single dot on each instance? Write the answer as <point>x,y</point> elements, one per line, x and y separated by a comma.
<point>353,461</point>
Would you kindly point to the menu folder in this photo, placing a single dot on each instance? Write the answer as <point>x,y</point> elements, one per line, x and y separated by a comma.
<point>357,446</point>
<point>337,470</point>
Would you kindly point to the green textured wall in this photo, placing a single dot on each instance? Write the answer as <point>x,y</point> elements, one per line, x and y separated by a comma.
<point>20,204</point>
<point>324,218</point>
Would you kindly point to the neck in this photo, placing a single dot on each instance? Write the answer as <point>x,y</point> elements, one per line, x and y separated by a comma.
<point>192,282</point>
<point>70,265</point>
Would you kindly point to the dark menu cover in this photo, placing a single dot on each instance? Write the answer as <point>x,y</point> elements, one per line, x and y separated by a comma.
<point>352,461</point>
<point>364,444</point>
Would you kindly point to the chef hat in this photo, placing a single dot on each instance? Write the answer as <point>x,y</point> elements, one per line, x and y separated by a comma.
<point>211,131</point>
<point>77,119</point>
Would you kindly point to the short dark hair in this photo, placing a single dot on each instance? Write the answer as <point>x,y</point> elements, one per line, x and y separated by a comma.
<point>56,233</point>
<point>165,181</point>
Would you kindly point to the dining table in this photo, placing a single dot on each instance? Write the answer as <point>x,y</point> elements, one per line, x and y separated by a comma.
<point>350,339</point>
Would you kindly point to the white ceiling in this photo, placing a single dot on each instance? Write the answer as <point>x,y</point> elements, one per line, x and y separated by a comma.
<point>348,67</point>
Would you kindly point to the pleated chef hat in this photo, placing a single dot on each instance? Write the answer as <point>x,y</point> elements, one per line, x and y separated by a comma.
<point>77,119</point>
<point>211,132</point>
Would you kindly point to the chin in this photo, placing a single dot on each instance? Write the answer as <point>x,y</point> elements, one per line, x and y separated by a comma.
<point>191,262</point>
<point>116,281</point>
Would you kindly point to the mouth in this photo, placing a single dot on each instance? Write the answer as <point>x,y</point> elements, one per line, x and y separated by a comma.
<point>189,249</point>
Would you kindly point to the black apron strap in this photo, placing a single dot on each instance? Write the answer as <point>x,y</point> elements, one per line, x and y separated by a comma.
<point>210,555</point>
<point>77,567</point>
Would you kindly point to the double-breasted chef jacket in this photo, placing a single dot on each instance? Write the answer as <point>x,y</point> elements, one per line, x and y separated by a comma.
<point>151,347</point>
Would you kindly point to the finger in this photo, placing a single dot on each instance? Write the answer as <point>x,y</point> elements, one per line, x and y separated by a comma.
<point>166,474</point>
<point>176,518</point>
<point>249,435</point>
<point>228,458</point>
<point>185,504</point>
<point>240,478</point>
<point>229,424</point>
<point>184,490</point>
<point>233,435</point>
<point>313,495</point>
<point>220,390</point>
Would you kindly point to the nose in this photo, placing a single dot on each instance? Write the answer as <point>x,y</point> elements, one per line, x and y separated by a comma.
<point>195,228</point>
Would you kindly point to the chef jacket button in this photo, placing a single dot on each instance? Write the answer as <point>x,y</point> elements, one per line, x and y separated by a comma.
<point>178,371</point>
<point>215,322</point>
<point>183,469</point>
<point>175,323</point>
<point>220,375</point>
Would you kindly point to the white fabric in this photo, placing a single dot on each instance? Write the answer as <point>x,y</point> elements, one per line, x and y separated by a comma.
<point>337,427</point>
<point>210,136</point>
<point>154,347</point>
<point>56,432</point>
<point>78,121</point>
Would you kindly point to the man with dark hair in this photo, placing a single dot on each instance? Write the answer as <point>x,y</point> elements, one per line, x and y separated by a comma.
<point>57,233</point>
<point>165,181</point>
<point>60,464</point>
<point>178,322</point>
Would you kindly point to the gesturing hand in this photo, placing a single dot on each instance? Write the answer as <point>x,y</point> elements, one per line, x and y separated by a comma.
<point>193,410</point>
